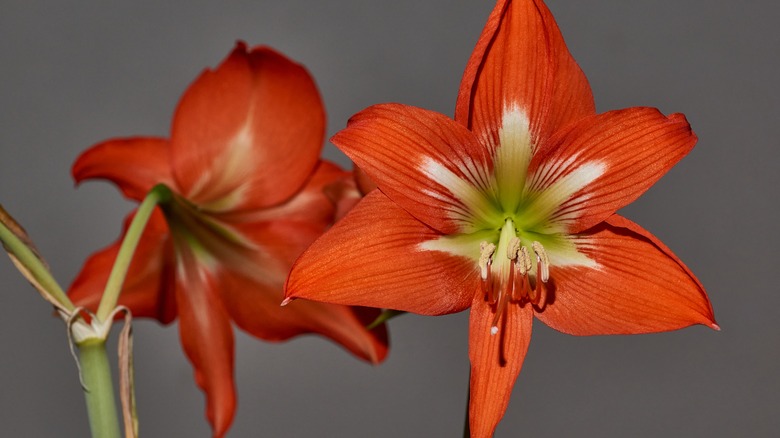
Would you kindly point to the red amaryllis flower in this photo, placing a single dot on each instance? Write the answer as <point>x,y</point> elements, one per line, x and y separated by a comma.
<point>509,209</point>
<point>249,196</point>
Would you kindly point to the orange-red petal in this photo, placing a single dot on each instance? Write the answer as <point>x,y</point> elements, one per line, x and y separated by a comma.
<point>639,286</point>
<point>248,134</point>
<point>255,307</point>
<point>633,148</point>
<point>135,164</point>
<point>407,150</point>
<point>364,183</point>
<point>148,288</point>
<point>373,258</point>
<point>315,203</point>
<point>521,61</point>
<point>207,339</point>
<point>252,291</point>
<point>280,234</point>
<point>496,361</point>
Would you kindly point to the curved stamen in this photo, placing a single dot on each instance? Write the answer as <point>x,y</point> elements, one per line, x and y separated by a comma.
<point>512,279</point>
<point>542,261</point>
<point>542,274</point>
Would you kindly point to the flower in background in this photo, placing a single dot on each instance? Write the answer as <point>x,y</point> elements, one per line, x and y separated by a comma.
<point>250,193</point>
<point>509,210</point>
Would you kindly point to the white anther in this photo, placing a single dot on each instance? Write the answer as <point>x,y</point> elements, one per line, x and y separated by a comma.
<point>486,252</point>
<point>512,248</point>
<point>523,260</point>
<point>542,260</point>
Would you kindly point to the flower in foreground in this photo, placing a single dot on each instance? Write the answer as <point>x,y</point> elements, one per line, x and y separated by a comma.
<point>249,196</point>
<point>509,209</point>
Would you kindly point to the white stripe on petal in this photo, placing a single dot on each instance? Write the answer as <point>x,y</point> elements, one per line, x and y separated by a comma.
<point>545,203</point>
<point>512,156</point>
<point>463,245</point>
<point>469,202</point>
<point>226,181</point>
<point>564,251</point>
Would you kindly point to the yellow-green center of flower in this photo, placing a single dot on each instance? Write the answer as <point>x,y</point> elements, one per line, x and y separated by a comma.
<point>514,218</point>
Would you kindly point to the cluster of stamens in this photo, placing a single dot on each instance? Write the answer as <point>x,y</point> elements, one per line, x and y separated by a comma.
<point>512,281</point>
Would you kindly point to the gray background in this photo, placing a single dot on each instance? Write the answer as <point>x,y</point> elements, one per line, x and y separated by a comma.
<point>74,74</point>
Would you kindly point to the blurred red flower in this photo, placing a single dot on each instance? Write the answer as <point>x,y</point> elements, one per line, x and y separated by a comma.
<point>250,193</point>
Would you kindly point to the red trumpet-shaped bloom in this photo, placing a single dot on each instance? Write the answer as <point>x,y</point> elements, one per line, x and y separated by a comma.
<point>250,194</point>
<point>509,209</point>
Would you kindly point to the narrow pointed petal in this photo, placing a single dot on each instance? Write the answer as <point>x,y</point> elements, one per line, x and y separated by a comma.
<point>148,288</point>
<point>249,133</point>
<point>639,286</point>
<point>603,163</point>
<point>135,165</point>
<point>373,258</point>
<point>207,339</point>
<point>496,361</point>
<point>522,63</point>
<point>427,163</point>
<point>255,307</point>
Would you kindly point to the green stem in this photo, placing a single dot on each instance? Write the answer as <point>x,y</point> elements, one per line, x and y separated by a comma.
<point>99,389</point>
<point>39,271</point>
<point>384,316</point>
<point>159,194</point>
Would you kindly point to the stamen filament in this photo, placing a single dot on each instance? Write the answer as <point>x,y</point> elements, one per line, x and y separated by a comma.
<point>541,261</point>
<point>504,295</point>
<point>533,293</point>
<point>519,291</point>
<point>522,265</point>
<point>538,289</point>
<point>492,291</point>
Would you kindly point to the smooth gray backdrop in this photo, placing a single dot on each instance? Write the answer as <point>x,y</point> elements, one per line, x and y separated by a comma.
<point>75,73</point>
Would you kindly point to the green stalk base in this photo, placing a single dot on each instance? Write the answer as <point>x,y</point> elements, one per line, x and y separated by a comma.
<point>99,393</point>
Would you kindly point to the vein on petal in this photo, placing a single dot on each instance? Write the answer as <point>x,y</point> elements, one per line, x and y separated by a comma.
<point>551,198</point>
<point>473,207</point>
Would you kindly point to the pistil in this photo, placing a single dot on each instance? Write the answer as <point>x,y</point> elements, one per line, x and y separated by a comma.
<point>507,288</point>
<point>506,270</point>
<point>503,259</point>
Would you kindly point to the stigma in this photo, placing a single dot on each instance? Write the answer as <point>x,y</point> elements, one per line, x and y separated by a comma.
<point>511,273</point>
